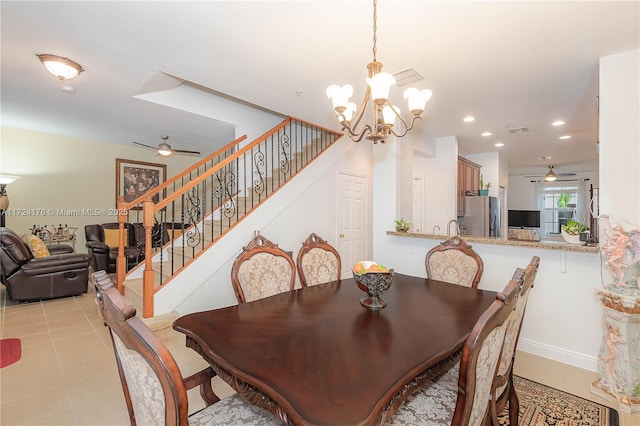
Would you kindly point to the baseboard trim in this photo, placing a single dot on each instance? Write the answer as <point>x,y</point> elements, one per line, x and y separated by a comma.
<point>554,353</point>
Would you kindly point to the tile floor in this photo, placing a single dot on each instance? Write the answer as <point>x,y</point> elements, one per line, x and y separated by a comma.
<point>67,374</point>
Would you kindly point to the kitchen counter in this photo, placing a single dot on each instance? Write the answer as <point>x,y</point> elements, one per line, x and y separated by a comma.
<point>550,245</point>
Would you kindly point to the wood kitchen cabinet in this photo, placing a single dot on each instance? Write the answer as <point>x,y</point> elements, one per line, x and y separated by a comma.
<point>468,180</point>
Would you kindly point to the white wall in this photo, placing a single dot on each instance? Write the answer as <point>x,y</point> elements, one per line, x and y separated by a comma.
<point>63,173</point>
<point>620,136</point>
<point>563,318</point>
<point>440,177</point>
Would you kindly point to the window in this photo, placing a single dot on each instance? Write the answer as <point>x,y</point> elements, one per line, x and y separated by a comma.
<point>559,204</point>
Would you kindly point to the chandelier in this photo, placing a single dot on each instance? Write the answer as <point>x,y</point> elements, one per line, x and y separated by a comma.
<point>384,113</point>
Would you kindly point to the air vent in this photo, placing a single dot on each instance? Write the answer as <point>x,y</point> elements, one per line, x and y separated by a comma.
<point>407,76</point>
<point>515,130</point>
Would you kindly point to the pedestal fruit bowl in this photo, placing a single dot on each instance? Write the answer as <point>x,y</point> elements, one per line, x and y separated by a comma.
<point>373,279</point>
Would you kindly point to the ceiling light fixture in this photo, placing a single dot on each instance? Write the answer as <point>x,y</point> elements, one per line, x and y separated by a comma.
<point>551,175</point>
<point>557,123</point>
<point>469,119</point>
<point>62,68</point>
<point>384,113</point>
<point>487,134</point>
<point>498,145</point>
<point>565,137</point>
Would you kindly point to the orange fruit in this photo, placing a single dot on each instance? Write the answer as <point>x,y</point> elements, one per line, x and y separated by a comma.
<point>358,268</point>
<point>374,268</point>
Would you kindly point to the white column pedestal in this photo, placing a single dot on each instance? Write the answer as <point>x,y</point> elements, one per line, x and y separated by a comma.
<point>619,358</point>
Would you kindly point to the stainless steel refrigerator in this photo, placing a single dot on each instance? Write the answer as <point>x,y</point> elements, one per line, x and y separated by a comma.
<point>482,216</point>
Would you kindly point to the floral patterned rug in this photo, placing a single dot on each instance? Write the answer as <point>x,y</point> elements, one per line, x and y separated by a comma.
<point>541,405</point>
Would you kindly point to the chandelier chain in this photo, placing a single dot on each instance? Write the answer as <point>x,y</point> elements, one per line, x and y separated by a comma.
<point>375,28</point>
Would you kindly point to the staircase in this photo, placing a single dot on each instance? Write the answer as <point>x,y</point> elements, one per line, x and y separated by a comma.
<point>196,208</point>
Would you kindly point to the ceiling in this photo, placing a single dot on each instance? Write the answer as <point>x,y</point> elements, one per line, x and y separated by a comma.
<point>510,64</point>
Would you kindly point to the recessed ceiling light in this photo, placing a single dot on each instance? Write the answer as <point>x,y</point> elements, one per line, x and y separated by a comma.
<point>487,134</point>
<point>565,137</point>
<point>557,123</point>
<point>546,157</point>
<point>469,119</point>
<point>498,145</point>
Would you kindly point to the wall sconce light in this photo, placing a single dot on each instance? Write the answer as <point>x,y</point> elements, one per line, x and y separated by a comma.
<point>4,198</point>
<point>62,68</point>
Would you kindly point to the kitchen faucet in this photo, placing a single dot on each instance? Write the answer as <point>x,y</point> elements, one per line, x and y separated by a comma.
<point>434,230</point>
<point>457,228</point>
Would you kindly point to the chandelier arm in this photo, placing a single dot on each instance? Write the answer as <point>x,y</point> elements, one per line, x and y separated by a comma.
<point>407,128</point>
<point>357,116</point>
<point>357,137</point>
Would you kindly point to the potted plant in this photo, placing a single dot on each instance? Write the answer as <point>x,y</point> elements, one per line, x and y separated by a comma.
<point>484,189</point>
<point>402,225</point>
<point>571,232</point>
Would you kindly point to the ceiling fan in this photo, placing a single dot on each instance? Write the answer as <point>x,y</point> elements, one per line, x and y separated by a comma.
<point>165,149</point>
<point>551,175</point>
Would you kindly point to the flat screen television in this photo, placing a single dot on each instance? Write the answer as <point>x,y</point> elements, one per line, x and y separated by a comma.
<point>524,218</point>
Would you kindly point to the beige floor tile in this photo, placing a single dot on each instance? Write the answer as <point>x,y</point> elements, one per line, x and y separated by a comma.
<point>71,330</point>
<point>27,416</point>
<point>26,329</point>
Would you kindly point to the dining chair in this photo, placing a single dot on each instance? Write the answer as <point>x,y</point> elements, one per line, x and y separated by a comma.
<point>454,261</point>
<point>461,397</point>
<point>262,270</point>
<point>503,389</point>
<point>317,262</point>
<point>154,390</point>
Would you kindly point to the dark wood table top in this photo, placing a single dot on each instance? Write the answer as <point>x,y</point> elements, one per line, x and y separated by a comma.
<point>316,356</point>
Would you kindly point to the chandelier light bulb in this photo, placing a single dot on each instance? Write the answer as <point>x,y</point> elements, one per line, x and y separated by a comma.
<point>339,96</point>
<point>389,114</point>
<point>347,114</point>
<point>380,85</point>
<point>417,99</point>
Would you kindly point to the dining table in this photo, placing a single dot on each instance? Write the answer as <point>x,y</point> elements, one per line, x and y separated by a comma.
<point>316,356</point>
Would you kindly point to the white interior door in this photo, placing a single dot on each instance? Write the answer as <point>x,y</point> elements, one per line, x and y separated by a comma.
<point>352,220</point>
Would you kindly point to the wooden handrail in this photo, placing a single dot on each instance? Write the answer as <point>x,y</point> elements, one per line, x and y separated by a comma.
<point>168,200</point>
<point>197,165</point>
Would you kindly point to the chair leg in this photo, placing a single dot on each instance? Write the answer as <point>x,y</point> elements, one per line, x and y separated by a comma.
<point>514,406</point>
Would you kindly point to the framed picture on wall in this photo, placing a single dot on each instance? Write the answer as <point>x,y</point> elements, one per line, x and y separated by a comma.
<point>135,178</point>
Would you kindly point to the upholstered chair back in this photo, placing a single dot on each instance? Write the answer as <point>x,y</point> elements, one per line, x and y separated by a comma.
<point>318,262</point>
<point>523,280</point>
<point>454,261</point>
<point>262,270</point>
<point>479,362</point>
<point>13,252</point>
<point>155,391</point>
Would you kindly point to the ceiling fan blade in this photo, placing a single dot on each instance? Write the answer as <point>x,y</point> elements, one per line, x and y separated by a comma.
<point>148,146</point>
<point>184,151</point>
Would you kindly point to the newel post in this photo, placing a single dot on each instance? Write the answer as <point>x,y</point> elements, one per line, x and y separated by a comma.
<point>121,261</point>
<point>148,215</point>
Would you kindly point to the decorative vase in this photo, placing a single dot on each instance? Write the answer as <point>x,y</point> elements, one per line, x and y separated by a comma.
<point>483,192</point>
<point>402,228</point>
<point>374,284</point>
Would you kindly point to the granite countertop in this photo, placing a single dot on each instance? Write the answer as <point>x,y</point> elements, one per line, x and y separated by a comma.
<point>550,245</point>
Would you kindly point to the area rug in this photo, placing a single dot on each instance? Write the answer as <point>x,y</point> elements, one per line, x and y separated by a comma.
<point>10,351</point>
<point>541,405</point>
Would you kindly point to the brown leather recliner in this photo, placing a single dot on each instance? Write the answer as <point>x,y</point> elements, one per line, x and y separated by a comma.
<point>103,257</point>
<point>27,278</point>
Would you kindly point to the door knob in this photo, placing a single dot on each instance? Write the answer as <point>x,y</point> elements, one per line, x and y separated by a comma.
<point>341,235</point>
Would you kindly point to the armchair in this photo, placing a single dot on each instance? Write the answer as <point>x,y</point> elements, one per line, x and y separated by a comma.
<point>102,245</point>
<point>28,278</point>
